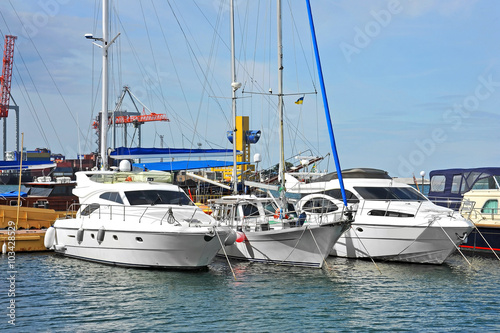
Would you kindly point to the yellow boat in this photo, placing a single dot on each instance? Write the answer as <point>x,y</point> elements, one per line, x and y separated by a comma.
<point>31,227</point>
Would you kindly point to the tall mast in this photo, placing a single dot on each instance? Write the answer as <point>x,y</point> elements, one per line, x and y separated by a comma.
<point>235,86</point>
<point>280,102</point>
<point>233,80</point>
<point>104,107</point>
<point>325,103</point>
<point>103,150</point>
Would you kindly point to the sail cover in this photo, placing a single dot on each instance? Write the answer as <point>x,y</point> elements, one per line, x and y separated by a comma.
<point>185,165</point>
<point>130,153</point>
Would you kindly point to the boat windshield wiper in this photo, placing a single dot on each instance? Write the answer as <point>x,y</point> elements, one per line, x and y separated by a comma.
<point>157,200</point>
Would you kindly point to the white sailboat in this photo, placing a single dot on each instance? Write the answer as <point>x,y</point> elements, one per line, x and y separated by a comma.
<point>268,231</point>
<point>135,219</point>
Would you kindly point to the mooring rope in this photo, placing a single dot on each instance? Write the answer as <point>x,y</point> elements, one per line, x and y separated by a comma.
<point>224,250</point>
<point>451,240</point>
<point>481,234</point>
<point>366,250</point>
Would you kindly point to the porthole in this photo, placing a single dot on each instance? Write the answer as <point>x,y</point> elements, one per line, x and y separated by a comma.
<point>139,239</point>
<point>92,236</point>
<point>359,229</point>
<point>115,237</point>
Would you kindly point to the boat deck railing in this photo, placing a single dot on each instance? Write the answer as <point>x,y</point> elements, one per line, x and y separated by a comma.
<point>288,219</point>
<point>480,215</point>
<point>395,208</point>
<point>161,214</point>
<point>452,203</point>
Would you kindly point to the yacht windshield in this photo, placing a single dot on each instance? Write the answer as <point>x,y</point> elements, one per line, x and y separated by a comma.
<point>153,197</point>
<point>390,193</point>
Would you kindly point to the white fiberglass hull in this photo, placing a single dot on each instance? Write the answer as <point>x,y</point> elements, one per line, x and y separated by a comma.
<point>306,246</point>
<point>428,244</point>
<point>183,249</point>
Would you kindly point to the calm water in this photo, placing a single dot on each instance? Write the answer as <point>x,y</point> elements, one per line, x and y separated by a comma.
<point>57,294</point>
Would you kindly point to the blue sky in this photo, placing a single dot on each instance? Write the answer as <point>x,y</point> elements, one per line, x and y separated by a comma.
<point>412,85</point>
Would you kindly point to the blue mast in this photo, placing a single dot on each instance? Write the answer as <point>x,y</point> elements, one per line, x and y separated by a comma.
<point>325,103</point>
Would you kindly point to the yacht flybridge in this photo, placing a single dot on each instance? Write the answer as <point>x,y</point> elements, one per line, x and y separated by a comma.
<point>393,221</point>
<point>131,219</point>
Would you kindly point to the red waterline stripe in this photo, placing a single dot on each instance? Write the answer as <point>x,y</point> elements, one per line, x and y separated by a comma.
<point>478,248</point>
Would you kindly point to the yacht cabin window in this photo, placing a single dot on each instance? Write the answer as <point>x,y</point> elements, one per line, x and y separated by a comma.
<point>249,210</point>
<point>455,184</point>
<point>488,183</point>
<point>89,209</point>
<point>490,207</point>
<point>319,206</point>
<point>269,208</point>
<point>337,194</point>
<point>390,193</point>
<point>112,196</point>
<point>157,197</point>
<point>437,183</point>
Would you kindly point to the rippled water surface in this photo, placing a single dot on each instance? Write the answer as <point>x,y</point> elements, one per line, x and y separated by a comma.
<point>58,294</point>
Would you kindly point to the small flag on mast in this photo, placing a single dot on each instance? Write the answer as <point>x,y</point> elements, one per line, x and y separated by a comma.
<point>300,100</point>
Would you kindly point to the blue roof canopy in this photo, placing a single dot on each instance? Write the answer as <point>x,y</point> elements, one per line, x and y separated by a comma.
<point>185,165</point>
<point>127,153</point>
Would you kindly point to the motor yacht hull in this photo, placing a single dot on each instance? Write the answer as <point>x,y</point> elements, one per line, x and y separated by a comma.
<point>426,244</point>
<point>306,246</point>
<point>185,249</point>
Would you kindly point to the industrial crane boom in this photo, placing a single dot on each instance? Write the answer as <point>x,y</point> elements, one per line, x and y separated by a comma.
<point>141,118</point>
<point>5,79</point>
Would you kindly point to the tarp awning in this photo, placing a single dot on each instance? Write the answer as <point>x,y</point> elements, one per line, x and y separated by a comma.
<point>122,153</point>
<point>185,165</point>
<point>15,165</point>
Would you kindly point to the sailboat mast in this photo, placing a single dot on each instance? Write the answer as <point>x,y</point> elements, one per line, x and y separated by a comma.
<point>325,103</point>
<point>104,109</point>
<point>280,99</point>
<point>234,86</point>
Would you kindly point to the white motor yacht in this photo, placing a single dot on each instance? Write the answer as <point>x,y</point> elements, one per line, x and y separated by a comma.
<point>393,220</point>
<point>129,219</point>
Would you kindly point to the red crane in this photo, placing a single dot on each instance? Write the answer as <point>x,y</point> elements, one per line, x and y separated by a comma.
<point>138,119</point>
<point>141,118</point>
<point>5,79</point>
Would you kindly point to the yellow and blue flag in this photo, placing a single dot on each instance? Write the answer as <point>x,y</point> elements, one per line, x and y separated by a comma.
<point>300,100</point>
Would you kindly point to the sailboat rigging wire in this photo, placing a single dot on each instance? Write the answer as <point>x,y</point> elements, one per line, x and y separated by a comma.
<point>51,78</point>
<point>205,86</point>
<point>31,107</point>
<point>312,74</point>
<point>171,110</point>
<point>152,54</point>
<point>24,90</point>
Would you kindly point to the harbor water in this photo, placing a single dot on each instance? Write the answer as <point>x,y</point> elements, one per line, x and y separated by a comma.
<point>59,294</point>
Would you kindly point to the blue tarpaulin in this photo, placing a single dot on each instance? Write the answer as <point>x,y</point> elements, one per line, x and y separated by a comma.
<point>14,165</point>
<point>185,165</point>
<point>128,153</point>
<point>13,194</point>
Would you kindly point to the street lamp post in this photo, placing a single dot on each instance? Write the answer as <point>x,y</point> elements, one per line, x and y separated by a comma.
<point>422,173</point>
